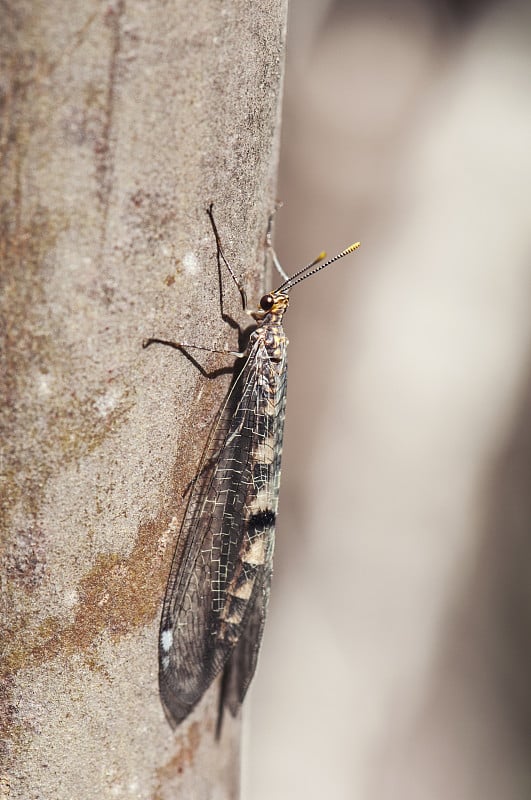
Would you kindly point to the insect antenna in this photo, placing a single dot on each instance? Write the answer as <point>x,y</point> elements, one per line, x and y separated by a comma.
<point>303,273</point>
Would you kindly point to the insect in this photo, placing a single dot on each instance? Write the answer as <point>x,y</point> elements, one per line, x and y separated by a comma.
<point>218,589</point>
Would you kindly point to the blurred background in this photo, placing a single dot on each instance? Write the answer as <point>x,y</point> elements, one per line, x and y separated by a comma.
<point>397,660</point>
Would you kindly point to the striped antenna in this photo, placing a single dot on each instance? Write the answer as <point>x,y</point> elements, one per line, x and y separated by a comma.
<point>302,274</point>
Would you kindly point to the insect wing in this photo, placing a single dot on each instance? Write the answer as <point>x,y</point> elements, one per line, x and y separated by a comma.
<point>241,666</point>
<point>217,594</point>
<point>243,660</point>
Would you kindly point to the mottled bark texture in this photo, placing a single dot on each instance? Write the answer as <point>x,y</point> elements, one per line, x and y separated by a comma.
<point>120,122</point>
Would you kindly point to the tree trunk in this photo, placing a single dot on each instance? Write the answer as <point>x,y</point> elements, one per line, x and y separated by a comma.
<point>121,122</point>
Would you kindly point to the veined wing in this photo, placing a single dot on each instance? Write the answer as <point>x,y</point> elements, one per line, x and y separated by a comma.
<point>241,666</point>
<point>219,581</point>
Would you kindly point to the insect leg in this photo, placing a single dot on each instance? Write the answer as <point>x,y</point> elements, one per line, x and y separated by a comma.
<point>188,345</point>
<point>185,346</point>
<point>269,244</point>
<point>221,255</point>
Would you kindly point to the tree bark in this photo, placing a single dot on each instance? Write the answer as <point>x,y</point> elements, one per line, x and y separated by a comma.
<point>121,122</point>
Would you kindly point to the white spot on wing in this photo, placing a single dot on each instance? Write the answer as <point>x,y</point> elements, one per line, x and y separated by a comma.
<point>243,592</point>
<point>260,502</point>
<point>265,452</point>
<point>255,552</point>
<point>166,640</point>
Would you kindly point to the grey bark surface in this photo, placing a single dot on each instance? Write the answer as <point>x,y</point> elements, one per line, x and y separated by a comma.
<point>121,122</point>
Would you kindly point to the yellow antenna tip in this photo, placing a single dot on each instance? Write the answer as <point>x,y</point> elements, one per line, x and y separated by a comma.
<point>348,250</point>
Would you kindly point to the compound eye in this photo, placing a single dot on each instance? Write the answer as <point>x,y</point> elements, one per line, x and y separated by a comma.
<point>266,303</point>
